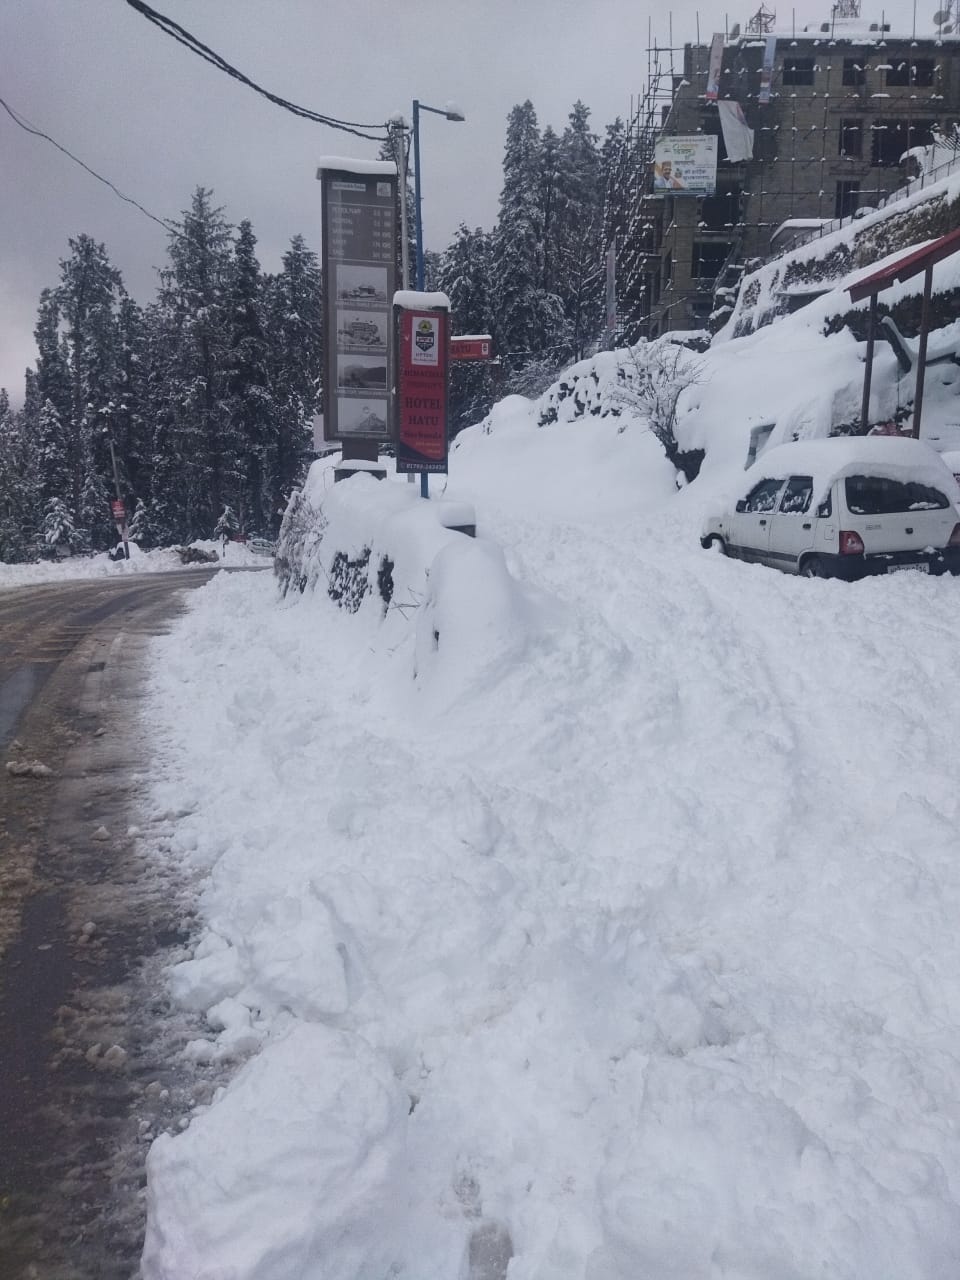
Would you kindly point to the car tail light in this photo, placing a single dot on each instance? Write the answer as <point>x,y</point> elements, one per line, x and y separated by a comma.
<point>851,544</point>
<point>955,537</point>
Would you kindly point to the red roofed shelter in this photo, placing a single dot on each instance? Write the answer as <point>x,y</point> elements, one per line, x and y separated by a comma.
<point>911,264</point>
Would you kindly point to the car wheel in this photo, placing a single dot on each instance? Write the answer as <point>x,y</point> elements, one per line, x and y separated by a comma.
<point>715,544</point>
<point>813,567</point>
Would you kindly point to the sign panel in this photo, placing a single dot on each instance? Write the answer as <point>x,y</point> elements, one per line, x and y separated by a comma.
<point>685,165</point>
<point>359,264</point>
<point>421,404</point>
<point>766,71</point>
<point>479,348</point>
<point>118,510</point>
<point>716,65</point>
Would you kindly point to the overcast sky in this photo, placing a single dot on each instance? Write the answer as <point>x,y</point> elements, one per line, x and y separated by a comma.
<point>158,121</point>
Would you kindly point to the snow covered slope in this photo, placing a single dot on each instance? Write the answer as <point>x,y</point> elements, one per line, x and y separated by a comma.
<point>595,910</point>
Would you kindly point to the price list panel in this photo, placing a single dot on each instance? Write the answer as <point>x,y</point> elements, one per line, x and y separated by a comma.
<point>359,255</point>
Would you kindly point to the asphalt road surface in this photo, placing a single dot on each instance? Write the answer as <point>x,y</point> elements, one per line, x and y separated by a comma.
<point>88,1045</point>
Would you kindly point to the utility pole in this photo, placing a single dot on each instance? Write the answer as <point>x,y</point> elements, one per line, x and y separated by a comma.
<point>118,506</point>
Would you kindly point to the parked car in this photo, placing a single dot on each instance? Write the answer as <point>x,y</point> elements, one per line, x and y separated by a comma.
<point>844,508</point>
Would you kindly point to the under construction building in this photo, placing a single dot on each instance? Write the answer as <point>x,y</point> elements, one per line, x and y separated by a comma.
<point>828,112</point>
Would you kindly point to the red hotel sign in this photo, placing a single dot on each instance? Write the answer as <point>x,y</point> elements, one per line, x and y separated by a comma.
<point>422,367</point>
<point>471,348</point>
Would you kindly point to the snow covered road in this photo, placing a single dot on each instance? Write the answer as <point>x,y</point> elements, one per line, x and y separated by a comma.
<point>634,935</point>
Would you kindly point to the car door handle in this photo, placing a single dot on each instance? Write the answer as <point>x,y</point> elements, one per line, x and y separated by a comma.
<point>808,526</point>
<point>909,531</point>
<point>763,522</point>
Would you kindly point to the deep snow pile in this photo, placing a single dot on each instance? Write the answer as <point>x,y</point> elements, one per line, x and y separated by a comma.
<point>598,906</point>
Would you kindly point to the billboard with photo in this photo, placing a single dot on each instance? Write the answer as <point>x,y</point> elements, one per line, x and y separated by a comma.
<point>685,165</point>
<point>358,258</point>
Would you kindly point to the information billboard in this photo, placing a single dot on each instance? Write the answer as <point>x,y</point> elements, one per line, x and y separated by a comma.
<point>423,353</point>
<point>359,265</point>
<point>685,165</point>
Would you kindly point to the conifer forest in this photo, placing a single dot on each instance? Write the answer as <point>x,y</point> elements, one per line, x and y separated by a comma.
<point>205,397</point>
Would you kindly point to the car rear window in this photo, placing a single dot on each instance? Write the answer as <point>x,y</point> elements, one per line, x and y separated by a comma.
<point>881,496</point>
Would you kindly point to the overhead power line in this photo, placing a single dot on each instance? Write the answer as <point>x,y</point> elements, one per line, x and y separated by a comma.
<point>184,37</point>
<point>30,128</point>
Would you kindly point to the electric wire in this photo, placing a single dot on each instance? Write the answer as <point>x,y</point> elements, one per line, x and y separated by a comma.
<point>39,133</point>
<point>172,228</point>
<point>190,41</point>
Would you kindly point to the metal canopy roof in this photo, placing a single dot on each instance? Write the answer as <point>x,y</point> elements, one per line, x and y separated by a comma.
<point>909,265</point>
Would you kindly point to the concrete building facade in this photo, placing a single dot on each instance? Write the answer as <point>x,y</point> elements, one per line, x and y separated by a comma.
<point>847,100</point>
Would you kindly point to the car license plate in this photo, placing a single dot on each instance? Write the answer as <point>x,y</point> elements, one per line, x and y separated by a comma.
<point>923,567</point>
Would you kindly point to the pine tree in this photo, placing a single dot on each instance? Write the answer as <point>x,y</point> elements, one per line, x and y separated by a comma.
<point>465,277</point>
<point>129,412</point>
<point>296,334</point>
<point>529,319</point>
<point>53,360</point>
<point>579,236</point>
<point>18,496</point>
<point>190,446</point>
<point>55,466</point>
<point>89,295</point>
<point>59,527</point>
<point>551,195</point>
<point>250,436</point>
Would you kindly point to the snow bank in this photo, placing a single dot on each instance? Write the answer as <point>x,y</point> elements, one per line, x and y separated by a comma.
<point>161,560</point>
<point>305,1141</point>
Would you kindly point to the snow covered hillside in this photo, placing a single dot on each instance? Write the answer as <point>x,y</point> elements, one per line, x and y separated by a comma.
<point>588,906</point>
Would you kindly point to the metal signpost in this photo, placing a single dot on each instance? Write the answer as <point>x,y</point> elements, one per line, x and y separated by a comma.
<point>422,354</point>
<point>359,267</point>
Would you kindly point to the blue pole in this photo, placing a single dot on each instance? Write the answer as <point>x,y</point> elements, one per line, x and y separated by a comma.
<point>419,218</point>
<point>424,482</point>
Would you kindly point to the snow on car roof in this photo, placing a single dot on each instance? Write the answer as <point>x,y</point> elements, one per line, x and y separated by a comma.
<point>837,456</point>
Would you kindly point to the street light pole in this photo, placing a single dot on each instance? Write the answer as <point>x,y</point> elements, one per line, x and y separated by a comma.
<point>450,112</point>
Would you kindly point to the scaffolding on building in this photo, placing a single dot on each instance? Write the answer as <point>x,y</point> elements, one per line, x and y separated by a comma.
<point>797,170</point>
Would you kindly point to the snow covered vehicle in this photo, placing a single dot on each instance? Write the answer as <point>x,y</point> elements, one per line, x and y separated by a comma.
<point>844,508</point>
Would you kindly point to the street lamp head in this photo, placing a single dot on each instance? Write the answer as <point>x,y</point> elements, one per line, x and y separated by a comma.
<point>453,112</point>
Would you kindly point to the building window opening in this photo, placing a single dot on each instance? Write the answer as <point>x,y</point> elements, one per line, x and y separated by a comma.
<point>708,260</point>
<point>903,73</point>
<point>851,139</point>
<point>798,71</point>
<point>848,199</point>
<point>720,211</point>
<point>854,72</point>
<point>892,137</point>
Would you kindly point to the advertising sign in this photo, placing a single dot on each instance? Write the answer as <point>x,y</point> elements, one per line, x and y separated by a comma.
<point>685,165</point>
<point>359,264</point>
<point>421,405</point>
<point>468,348</point>
<point>716,65</point>
<point>766,71</point>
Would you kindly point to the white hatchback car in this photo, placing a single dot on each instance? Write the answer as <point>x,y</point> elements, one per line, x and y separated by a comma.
<point>844,507</point>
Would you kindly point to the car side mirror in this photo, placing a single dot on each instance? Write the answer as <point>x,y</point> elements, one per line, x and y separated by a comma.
<point>742,505</point>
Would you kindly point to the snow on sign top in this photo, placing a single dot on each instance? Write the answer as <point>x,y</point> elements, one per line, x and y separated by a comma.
<point>413,300</point>
<point>349,164</point>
